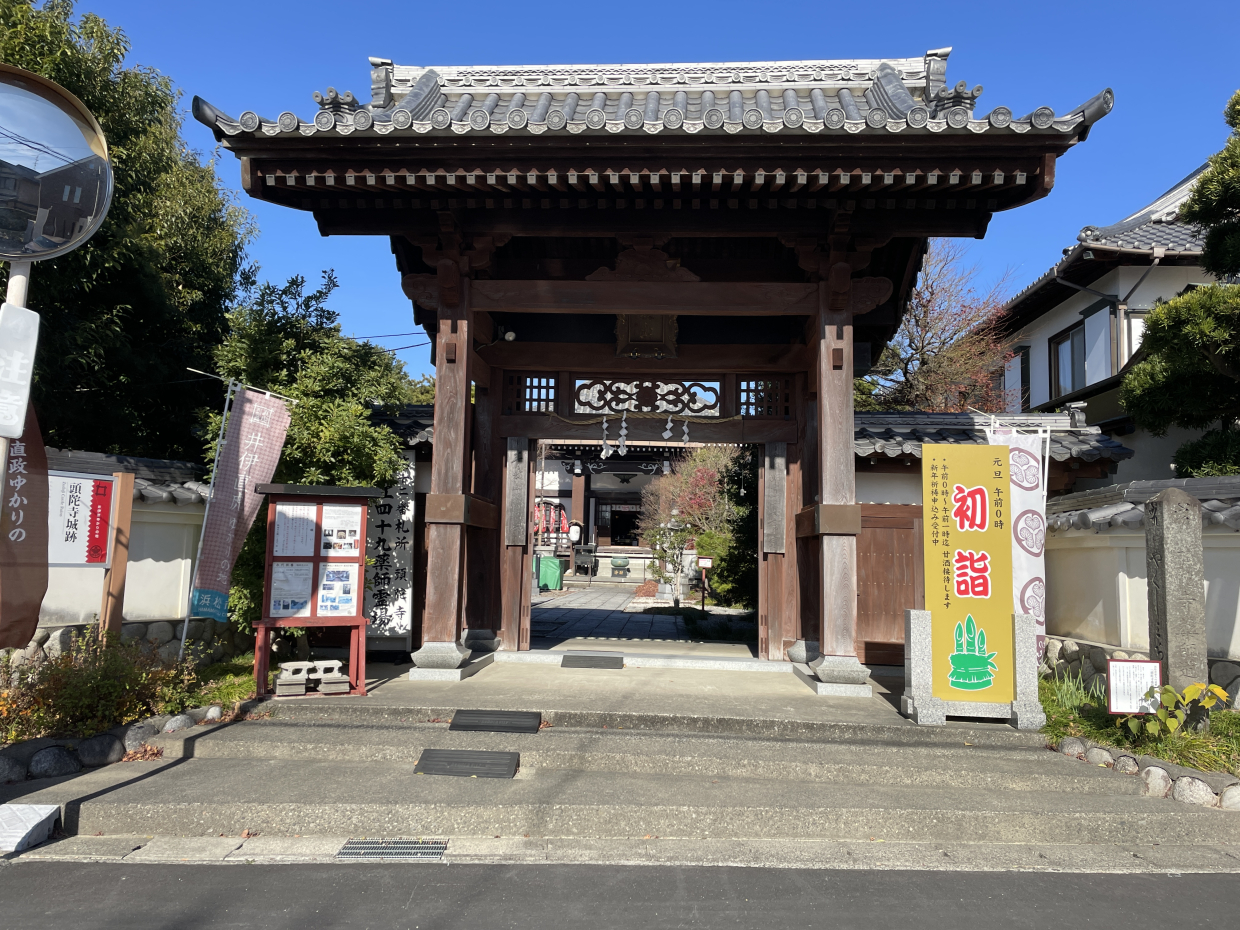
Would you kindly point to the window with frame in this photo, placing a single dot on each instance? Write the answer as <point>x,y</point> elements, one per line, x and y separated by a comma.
<point>1067,356</point>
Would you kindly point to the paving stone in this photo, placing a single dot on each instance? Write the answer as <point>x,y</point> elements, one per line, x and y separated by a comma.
<point>185,849</point>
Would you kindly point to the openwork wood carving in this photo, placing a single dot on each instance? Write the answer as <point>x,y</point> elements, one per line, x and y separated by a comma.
<point>670,397</point>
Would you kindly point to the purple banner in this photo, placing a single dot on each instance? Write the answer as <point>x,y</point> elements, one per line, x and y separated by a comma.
<point>248,456</point>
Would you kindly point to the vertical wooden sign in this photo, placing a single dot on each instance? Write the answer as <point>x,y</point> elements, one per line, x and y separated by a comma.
<point>968,552</point>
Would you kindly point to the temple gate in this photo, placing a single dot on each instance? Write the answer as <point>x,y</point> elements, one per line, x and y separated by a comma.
<point>756,226</point>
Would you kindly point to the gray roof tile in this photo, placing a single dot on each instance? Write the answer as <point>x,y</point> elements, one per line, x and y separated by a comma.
<point>800,97</point>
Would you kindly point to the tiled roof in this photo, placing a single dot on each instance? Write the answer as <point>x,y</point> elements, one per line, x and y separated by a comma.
<point>1122,506</point>
<point>895,434</point>
<point>155,480</point>
<point>414,424</point>
<point>896,95</point>
<point>1155,226</point>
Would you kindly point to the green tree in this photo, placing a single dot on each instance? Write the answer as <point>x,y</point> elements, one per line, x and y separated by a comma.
<point>287,340</point>
<point>1190,373</point>
<point>422,390</point>
<point>126,313</point>
<point>1214,205</point>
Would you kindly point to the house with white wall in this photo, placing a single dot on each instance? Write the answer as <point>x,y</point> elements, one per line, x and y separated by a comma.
<point>1078,328</point>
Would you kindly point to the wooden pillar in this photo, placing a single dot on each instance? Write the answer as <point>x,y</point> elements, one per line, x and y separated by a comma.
<point>514,570</point>
<point>482,544</point>
<point>837,481</point>
<point>111,610</point>
<point>450,475</point>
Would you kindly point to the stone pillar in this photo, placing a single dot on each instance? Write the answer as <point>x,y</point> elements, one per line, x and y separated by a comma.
<point>1175,587</point>
<point>450,475</point>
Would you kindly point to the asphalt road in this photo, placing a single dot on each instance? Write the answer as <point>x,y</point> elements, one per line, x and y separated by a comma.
<point>427,896</point>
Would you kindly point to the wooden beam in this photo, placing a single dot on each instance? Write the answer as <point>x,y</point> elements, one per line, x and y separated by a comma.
<point>463,509</point>
<point>517,484</point>
<point>646,429</point>
<point>683,298</point>
<point>600,359</point>
<point>112,608</point>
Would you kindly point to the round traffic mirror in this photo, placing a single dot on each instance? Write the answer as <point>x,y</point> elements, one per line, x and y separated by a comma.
<point>55,180</point>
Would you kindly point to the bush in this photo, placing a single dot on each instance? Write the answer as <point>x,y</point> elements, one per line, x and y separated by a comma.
<point>91,687</point>
<point>1215,454</point>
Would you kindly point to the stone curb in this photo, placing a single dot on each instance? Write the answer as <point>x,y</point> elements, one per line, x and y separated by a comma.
<point>1162,778</point>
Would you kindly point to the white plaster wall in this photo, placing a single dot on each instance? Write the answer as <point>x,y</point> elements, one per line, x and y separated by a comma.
<point>609,482</point>
<point>1011,385</point>
<point>162,548</point>
<point>1096,589</point>
<point>889,487</point>
<point>553,477</point>
<point>1097,346</point>
<point>1161,284</point>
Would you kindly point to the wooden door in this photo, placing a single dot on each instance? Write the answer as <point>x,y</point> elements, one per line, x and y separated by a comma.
<point>889,579</point>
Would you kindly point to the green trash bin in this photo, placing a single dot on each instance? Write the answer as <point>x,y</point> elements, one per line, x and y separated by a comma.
<point>550,573</point>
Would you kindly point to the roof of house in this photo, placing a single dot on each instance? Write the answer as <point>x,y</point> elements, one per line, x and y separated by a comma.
<point>155,480</point>
<point>799,97</point>
<point>1122,506</point>
<point>1154,231</point>
<point>899,433</point>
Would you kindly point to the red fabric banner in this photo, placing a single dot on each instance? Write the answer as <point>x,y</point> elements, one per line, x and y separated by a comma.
<point>23,536</point>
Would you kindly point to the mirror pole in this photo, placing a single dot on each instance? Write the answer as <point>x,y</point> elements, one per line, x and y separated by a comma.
<point>19,283</point>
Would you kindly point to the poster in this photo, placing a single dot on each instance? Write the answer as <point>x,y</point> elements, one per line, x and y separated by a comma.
<point>295,527</point>
<point>79,519</point>
<point>338,594</point>
<point>23,536</point>
<point>341,526</point>
<point>389,594</point>
<point>1127,684</point>
<point>1028,504</point>
<point>290,589</point>
<point>968,571</point>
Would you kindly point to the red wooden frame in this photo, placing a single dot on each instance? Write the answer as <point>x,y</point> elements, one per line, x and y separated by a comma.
<point>357,622</point>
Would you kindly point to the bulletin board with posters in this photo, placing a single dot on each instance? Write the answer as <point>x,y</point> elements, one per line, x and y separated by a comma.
<point>316,568</point>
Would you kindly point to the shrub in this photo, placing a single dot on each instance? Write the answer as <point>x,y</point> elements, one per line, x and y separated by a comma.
<point>91,687</point>
<point>1215,454</point>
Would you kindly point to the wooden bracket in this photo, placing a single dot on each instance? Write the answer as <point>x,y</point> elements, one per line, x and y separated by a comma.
<point>829,520</point>
<point>461,509</point>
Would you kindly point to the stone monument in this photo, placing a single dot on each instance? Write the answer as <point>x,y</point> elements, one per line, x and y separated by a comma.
<point>1175,587</point>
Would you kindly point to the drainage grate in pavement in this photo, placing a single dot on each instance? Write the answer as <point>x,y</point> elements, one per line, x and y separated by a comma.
<point>468,763</point>
<point>497,721</point>
<point>398,848</point>
<point>572,661</point>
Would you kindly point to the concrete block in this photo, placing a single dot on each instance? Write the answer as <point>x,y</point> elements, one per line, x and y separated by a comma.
<point>419,673</point>
<point>1176,587</point>
<point>26,825</point>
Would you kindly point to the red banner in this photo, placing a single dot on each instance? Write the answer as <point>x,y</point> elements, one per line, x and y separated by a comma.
<point>23,536</point>
<point>252,444</point>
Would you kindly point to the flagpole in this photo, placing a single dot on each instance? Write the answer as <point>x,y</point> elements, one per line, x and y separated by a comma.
<point>219,441</point>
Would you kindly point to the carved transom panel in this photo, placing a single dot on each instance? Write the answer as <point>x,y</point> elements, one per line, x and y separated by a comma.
<point>681,398</point>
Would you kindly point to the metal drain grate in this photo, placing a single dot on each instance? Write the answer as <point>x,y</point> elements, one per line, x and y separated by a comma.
<point>576,661</point>
<point>396,849</point>
<point>497,721</point>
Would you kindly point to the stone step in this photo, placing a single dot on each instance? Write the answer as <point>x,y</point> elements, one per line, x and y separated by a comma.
<point>904,732</point>
<point>959,765</point>
<point>208,797</point>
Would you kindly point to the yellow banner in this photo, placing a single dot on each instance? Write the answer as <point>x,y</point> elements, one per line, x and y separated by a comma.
<point>968,551</point>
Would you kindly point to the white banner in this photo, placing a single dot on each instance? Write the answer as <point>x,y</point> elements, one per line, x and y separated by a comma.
<point>389,579</point>
<point>1028,477</point>
<point>79,519</point>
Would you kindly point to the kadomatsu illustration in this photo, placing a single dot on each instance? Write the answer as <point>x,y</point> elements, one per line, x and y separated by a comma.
<point>972,667</point>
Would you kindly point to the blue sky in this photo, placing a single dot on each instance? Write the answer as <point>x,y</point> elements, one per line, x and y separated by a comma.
<point>1172,68</point>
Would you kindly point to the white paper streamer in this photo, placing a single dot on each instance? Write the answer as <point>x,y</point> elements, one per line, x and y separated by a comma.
<point>667,433</point>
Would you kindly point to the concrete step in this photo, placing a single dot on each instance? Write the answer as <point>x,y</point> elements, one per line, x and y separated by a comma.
<point>899,731</point>
<point>960,765</point>
<point>208,797</point>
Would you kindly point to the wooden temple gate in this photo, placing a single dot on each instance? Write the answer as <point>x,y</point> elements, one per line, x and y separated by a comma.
<point>758,224</point>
